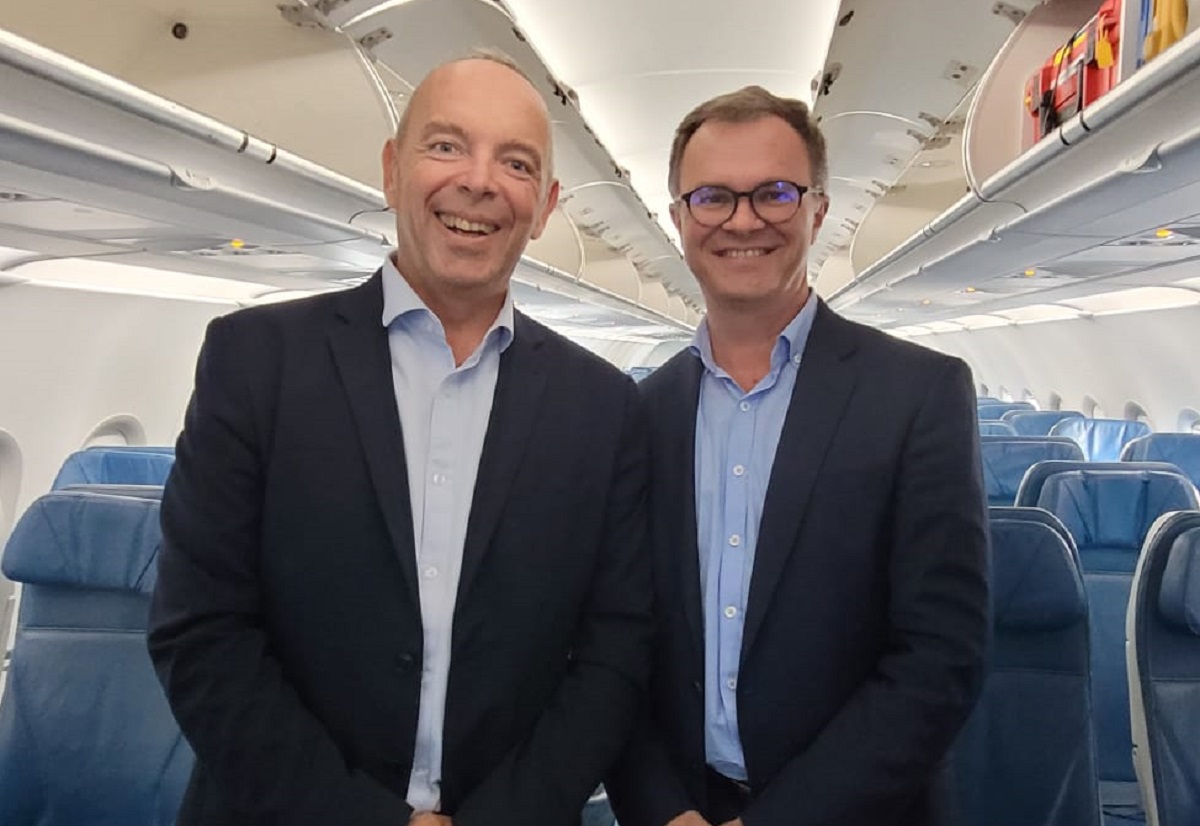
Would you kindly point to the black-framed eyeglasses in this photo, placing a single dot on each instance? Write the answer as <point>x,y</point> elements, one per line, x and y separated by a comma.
<point>773,202</point>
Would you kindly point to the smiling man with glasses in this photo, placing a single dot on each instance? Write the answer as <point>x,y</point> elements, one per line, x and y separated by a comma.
<point>818,522</point>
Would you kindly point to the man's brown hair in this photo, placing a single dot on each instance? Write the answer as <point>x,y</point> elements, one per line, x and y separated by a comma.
<point>749,104</point>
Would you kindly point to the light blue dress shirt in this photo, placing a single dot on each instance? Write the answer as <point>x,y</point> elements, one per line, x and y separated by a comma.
<point>736,437</point>
<point>444,413</point>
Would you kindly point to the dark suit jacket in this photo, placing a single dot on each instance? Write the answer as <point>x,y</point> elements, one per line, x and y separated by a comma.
<point>866,623</point>
<point>286,626</point>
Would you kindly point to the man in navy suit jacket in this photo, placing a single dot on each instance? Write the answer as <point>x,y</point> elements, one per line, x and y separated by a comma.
<point>818,520</point>
<point>403,576</point>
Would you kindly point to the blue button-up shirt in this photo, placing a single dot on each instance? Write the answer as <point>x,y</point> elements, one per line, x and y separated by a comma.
<point>736,437</point>
<point>444,413</point>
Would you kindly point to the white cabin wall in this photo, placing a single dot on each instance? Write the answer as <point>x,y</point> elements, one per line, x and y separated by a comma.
<point>1147,357</point>
<point>70,359</point>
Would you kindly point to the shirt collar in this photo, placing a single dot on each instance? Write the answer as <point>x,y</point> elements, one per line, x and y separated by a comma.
<point>400,299</point>
<point>791,342</point>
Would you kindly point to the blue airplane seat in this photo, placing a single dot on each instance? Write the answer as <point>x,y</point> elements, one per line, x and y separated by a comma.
<point>101,465</point>
<point>994,427</point>
<point>1180,449</point>
<point>1109,513</point>
<point>1037,422</point>
<point>86,735</point>
<point>996,411</point>
<point>1101,439</point>
<point>1007,458</point>
<point>1164,667</point>
<point>1027,753</point>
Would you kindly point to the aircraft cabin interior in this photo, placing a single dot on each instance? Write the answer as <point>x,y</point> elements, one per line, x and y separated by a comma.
<point>1013,182</point>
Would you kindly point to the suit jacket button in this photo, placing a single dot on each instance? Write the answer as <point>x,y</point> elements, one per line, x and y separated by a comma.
<point>405,662</point>
<point>697,686</point>
<point>395,766</point>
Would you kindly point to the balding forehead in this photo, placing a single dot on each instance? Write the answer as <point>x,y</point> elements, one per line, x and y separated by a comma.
<point>445,71</point>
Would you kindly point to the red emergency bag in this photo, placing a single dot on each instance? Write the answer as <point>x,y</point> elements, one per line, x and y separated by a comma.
<point>1076,75</point>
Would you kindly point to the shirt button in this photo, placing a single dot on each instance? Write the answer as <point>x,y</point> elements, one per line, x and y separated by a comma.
<point>744,407</point>
<point>735,540</point>
<point>795,359</point>
<point>731,684</point>
<point>738,470</point>
<point>439,479</point>
<point>730,611</point>
<point>431,572</point>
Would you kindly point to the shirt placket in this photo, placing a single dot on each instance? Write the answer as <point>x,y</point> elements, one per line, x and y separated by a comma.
<point>732,553</point>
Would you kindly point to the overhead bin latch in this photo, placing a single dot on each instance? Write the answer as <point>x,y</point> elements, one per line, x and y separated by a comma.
<point>1013,13</point>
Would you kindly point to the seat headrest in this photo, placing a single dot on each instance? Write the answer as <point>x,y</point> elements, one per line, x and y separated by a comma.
<point>1114,508</point>
<point>1179,597</point>
<point>1036,586</point>
<point>105,466</point>
<point>1101,439</point>
<point>88,540</point>
<point>1037,422</point>
<point>995,411</point>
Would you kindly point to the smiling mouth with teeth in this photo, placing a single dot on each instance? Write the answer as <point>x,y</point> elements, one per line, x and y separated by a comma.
<point>750,253</point>
<point>464,227</point>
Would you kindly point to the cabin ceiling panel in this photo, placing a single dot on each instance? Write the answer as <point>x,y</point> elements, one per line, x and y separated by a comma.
<point>639,67</point>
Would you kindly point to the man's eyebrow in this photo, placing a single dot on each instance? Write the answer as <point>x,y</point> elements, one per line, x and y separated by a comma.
<point>437,127</point>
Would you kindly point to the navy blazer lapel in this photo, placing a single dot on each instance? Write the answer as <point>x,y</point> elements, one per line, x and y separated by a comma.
<point>360,349</point>
<point>516,406</point>
<point>675,437</point>
<point>823,388</point>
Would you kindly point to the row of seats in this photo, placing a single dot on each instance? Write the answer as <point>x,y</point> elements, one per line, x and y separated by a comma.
<point>1007,459</point>
<point>1106,509</point>
<point>1101,440</point>
<point>1033,735</point>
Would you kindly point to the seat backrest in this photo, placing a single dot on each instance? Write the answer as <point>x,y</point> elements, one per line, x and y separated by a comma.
<point>993,427</point>
<point>995,411</point>
<point>1037,422</point>
<point>106,466</point>
<point>1163,628</point>
<point>1101,439</point>
<point>1180,449</point>
<point>1109,513</point>
<point>86,735</point>
<point>1030,489</point>
<point>1027,753</point>
<point>1006,460</point>
<point>168,450</point>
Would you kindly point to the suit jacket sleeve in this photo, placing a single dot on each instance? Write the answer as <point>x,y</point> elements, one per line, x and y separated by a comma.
<point>645,789</point>
<point>257,742</point>
<point>886,742</point>
<point>547,778</point>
